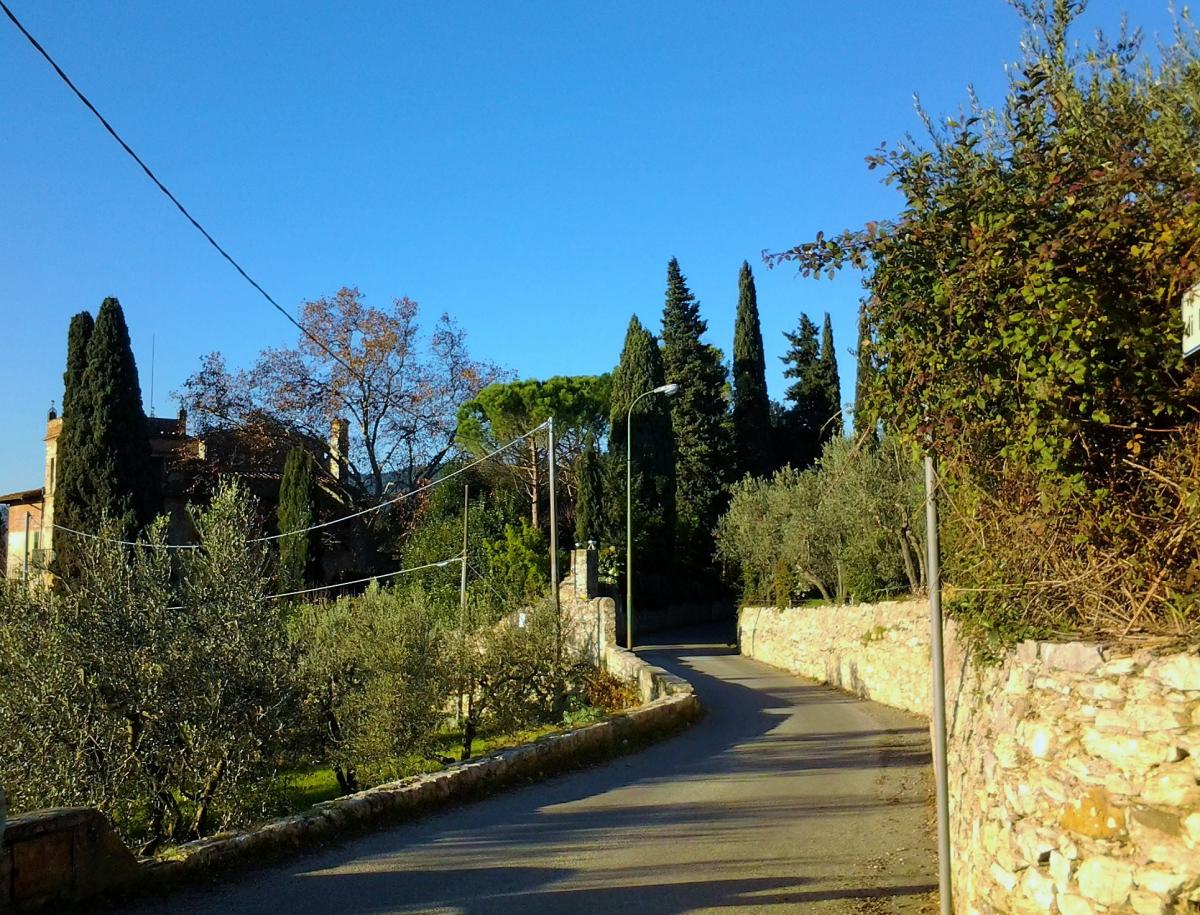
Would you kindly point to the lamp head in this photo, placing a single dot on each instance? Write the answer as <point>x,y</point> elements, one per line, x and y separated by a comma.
<point>667,389</point>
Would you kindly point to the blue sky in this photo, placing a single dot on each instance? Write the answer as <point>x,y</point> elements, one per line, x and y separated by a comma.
<point>527,167</point>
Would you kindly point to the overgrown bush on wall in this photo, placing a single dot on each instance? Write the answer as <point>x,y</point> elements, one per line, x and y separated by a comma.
<point>1025,323</point>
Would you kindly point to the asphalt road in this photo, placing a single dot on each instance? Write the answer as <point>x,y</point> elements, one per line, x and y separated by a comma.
<point>786,797</point>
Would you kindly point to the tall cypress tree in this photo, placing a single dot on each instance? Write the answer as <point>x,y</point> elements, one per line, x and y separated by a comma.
<point>121,479</point>
<point>799,429</point>
<point>589,502</point>
<point>751,405</point>
<point>864,420</point>
<point>832,426</point>
<point>297,507</point>
<point>72,472</point>
<point>702,447</point>
<point>653,461</point>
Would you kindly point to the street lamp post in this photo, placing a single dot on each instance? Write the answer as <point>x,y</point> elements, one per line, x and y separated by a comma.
<point>667,389</point>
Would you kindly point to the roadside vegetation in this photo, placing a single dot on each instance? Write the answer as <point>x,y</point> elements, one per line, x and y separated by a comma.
<point>1023,318</point>
<point>165,688</point>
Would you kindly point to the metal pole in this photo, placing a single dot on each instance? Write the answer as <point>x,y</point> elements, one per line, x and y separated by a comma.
<point>26,558</point>
<point>939,685</point>
<point>553,521</point>
<point>629,528</point>
<point>462,604</point>
<point>462,584</point>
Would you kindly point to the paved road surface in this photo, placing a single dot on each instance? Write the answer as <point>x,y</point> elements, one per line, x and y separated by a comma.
<point>786,797</point>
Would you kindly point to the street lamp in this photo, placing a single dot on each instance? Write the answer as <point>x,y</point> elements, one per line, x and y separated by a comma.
<point>667,389</point>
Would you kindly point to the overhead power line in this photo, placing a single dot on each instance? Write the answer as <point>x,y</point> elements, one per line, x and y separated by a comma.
<point>316,527</point>
<point>162,187</point>
<point>357,581</point>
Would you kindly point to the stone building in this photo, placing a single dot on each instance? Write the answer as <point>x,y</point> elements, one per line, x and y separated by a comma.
<point>189,468</point>
<point>33,509</point>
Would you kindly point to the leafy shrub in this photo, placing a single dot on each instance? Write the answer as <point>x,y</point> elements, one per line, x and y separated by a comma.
<point>160,695</point>
<point>604,691</point>
<point>377,677</point>
<point>850,525</point>
<point>1025,322</point>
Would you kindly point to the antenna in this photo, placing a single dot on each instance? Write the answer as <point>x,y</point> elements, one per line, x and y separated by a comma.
<point>152,374</point>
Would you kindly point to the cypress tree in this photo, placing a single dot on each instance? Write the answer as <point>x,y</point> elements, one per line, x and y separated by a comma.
<point>653,461</point>
<point>297,508</point>
<point>71,472</point>
<point>832,426</point>
<point>121,479</point>
<point>751,405</point>
<point>798,431</point>
<point>864,421</point>
<point>590,499</point>
<point>702,448</point>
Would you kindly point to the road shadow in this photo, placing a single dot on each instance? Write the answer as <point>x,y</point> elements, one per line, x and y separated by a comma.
<point>515,891</point>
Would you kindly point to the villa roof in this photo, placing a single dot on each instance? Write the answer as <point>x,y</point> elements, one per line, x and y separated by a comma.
<point>22,496</point>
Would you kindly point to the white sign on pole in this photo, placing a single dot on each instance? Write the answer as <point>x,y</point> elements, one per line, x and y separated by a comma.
<point>1191,320</point>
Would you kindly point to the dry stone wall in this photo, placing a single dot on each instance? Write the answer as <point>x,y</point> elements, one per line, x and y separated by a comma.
<point>1074,768</point>
<point>877,651</point>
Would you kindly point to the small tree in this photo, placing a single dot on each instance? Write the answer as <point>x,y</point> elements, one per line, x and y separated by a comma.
<point>160,696</point>
<point>376,673</point>
<point>589,504</point>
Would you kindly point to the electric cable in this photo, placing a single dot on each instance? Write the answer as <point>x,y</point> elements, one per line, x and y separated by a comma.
<point>162,187</point>
<point>324,524</point>
<point>357,581</point>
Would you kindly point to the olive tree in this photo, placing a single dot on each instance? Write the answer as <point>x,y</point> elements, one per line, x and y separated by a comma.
<point>158,691</point>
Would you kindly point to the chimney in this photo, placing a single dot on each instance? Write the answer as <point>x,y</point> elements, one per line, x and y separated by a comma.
<point>339,444</point>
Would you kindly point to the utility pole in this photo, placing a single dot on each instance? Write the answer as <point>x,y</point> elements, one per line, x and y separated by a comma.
<point>26,557</point>
<point>939,683</point>
<point>462,583</point>
<point>553,521</point>
<point>462,605</point>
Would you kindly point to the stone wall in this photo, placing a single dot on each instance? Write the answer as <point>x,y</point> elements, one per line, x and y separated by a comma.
<point>1074,768</point>
<point>52,858</point>
<point>877,651</point>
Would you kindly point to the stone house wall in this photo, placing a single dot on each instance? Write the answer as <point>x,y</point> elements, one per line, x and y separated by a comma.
<point>1074,768</point>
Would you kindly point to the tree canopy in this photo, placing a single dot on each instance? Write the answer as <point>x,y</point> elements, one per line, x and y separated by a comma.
<point>398,389</point>
<point>504,411</point>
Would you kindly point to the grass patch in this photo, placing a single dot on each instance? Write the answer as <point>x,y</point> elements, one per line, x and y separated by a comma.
<point>301,788</point>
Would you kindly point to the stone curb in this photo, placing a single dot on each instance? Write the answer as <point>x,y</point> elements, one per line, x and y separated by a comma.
<point>409,798</point>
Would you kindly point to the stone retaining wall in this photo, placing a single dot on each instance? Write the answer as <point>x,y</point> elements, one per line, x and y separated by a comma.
<point>1074,768</point>
<point>877,651</point>
<point>52,857</point>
